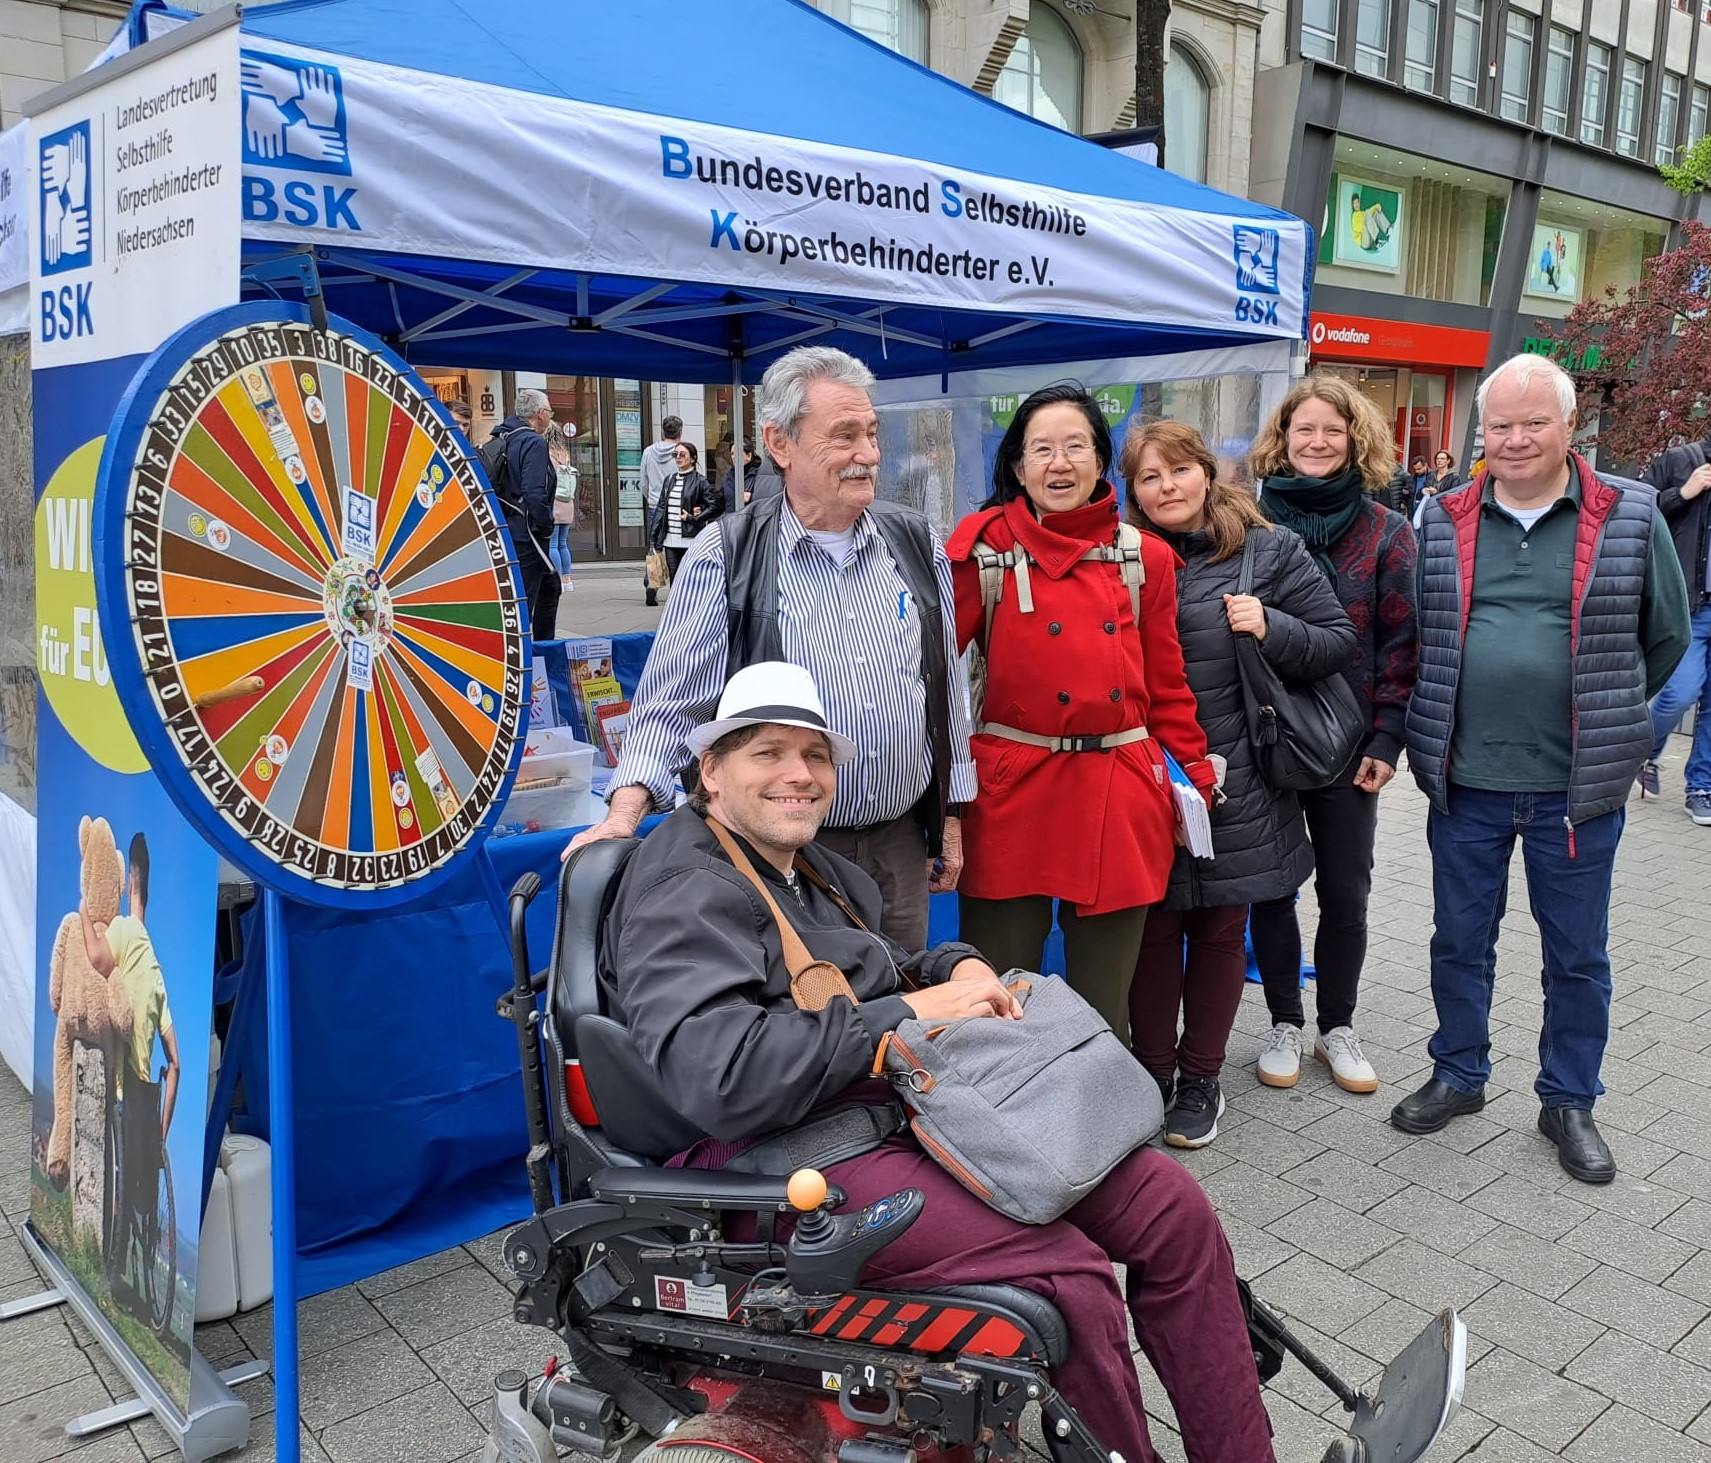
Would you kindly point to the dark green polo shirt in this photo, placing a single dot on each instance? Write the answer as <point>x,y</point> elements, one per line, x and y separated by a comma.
<point>1513,730</point>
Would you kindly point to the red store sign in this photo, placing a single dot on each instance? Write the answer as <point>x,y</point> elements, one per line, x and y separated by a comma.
<point>1395,342</point>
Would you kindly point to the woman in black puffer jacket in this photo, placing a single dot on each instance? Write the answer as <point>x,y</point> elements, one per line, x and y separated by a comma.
<point>1259,839</point>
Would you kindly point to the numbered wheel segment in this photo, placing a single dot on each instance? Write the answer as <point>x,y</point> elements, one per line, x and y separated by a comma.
<point>319,635</point>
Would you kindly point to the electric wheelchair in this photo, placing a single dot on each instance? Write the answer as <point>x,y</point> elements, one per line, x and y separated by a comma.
<point>684,1315</point>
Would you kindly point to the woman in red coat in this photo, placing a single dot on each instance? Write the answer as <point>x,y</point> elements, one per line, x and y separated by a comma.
<point>1082,696</point>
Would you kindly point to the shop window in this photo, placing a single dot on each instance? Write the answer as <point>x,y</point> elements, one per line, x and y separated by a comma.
<point>899,25</point>
<point>1595,95</point>
<point>1517,65</point>
<point>1580,247</point>
<point>1628,105</point>
<point>1419,69</point>
<point>1669,118</point>
<point>1187,114</point>
<point>1464,52</point>
<point>1372,36</point>
<point>1699,114</point>
<point>1559,77</point>
<point>1319,29</point>
<point>1043,75</point>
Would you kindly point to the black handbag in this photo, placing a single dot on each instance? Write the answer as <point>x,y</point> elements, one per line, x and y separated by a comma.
<point>1302,735</point>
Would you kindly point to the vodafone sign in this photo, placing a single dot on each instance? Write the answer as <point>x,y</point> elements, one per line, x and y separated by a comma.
<point>1395,342</point>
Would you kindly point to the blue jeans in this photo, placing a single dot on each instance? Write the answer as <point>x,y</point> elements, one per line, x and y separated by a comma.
<point>561,549</point>
<point>1691,683</point>
<point>1570,897</point>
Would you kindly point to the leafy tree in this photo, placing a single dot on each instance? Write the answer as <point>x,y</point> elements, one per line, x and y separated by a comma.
<point>1644,357</point>
<point>1693,173</point>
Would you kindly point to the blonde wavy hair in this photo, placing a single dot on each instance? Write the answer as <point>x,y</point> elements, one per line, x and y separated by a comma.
<point>1371,442</point>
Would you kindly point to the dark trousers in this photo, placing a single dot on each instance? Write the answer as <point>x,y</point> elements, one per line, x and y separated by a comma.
<point>1192,961</point>
<point>541,586</point>
<point>895,855</point>
<point>673,557</point>
<point>1570,898</point>
<point>1342,823</point>
<point>1149,1215</point>
<point>1099,950</point>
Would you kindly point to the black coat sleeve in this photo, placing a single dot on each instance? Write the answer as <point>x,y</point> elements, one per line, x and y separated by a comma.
<point>1308,634</point>
<point>693,1007</point>
<point>1667,472</point>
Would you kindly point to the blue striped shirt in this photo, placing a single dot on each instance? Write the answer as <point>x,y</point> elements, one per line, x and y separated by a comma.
<point>856,629</point>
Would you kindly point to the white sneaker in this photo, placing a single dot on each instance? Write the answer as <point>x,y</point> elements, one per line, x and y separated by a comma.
<point>564,584</point>
<point>1339,1049</point>
<point>1280,1062</point>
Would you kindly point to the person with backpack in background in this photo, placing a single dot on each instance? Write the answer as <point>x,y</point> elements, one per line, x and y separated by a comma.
<point>521,471</point>
<point>1073,613</point>
<point>1681,476</point>
<point>659,463</point>
<point>1193,961</point>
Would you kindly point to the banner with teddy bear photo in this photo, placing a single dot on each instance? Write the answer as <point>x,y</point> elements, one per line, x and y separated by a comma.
<point>126,889</point>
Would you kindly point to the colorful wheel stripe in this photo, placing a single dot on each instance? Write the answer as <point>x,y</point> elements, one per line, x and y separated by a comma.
<point>312,606</point>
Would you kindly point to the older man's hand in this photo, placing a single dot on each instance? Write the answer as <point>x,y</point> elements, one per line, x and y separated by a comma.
<point>629,806</point>
<point>944,871</point>
<point>979,995</point>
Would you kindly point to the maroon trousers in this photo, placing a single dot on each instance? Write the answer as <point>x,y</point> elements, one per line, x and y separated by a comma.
<point>1149,1215</point>
<point>1204,982</point>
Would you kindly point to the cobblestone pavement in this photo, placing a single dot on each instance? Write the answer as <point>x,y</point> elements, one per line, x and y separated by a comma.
<point>1587,1308</point>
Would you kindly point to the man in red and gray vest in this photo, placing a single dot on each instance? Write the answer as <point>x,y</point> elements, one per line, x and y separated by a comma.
<point>1551,605</point>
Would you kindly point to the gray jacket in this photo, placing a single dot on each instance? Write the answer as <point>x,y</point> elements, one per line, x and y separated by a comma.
<point>1258,835</point>
<point>694,967</point>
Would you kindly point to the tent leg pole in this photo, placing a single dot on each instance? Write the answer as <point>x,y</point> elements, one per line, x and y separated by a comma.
<point>282,1135</point>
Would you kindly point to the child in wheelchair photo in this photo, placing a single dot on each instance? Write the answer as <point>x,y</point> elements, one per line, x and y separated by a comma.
<point>802,1196</point>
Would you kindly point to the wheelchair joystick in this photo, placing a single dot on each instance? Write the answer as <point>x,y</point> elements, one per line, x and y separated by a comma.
<point>827,1252</point>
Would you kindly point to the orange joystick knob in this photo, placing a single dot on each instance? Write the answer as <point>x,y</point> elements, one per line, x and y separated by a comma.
<point>806,1190</point>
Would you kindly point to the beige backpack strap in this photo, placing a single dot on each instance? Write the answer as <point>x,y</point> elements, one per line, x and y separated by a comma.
<point>813,983</point>
<point>1131,566</point>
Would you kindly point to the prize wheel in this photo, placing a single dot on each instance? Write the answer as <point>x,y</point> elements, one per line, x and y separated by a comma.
<point>311,606</point>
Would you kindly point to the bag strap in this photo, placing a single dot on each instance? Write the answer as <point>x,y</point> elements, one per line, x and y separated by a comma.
<point>1245,584</point>
<point>814,877</point>
<point>809,978</point>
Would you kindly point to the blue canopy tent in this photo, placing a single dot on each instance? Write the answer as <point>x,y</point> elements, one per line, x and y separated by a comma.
<point>672,193</point>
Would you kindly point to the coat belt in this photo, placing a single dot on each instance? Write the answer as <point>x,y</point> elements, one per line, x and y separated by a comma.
<point>1065,744</point>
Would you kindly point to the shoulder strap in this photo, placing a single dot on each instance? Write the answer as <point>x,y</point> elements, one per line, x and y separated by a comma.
<point>814,877</point>
<point>1245,585</point>
<point>813,983</point>
<point>1131,566</point>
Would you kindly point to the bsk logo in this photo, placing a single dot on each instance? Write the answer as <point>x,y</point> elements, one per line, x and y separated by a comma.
<point>294,115</point>
<point>66,232</point>
<point>1256,259</point>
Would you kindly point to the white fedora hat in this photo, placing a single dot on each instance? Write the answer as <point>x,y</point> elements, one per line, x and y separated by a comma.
<point>771,692</point>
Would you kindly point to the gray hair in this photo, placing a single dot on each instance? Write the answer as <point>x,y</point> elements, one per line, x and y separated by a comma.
<point>1525,369</point>
<point>784,387</point>
<point>529,402</point>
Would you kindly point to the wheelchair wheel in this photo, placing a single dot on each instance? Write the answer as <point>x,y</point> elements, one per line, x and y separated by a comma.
<point>113,1201</point>
<point>159,1259</point>
<point>697,1452</point>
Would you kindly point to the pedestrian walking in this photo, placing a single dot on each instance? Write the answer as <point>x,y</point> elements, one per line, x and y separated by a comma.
<point>659,463</point>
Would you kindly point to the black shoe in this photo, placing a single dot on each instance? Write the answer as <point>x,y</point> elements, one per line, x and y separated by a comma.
<point>653,598</point>
<point>1580,1150</point>
<point>1194,1120</point>
<point>1431,1108</point>
<point>1166,1088</point>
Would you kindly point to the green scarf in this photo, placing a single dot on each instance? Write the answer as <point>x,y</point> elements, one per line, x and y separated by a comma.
<point>1320,510</point>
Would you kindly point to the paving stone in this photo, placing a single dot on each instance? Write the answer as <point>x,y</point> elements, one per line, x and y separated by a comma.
<point>1541,1406</point>
<point>1502,1446</point>
<point>1434,1167</point>
<point>410,1274</point>
<point>1251,1195</point>
<point>1527,1261</point>
<point>1346,1181</point>
<point>1256,1251</point>
<point>1624,1436</point>
<point>1411,1272</point>
<point>1383,1335</point>
<point>1665,1388</point>
<point>1685,1132</point>
<point>1539,1211</point>
<point>1644,1253</point>
<point>1694,1278</point>
<point>1266,1146</point>
<point>1361,1135</point>
<point>468,1362</point>
<point>263,1445</point>
<point>1696,1347</point>
<point>1691,1222</point>
<point>1447,1226</point>
<point>1296,1432</point>
<point>1644,1311</point>
<point>1319,1294</point>
<point>1334,1234</point>
<point>323,1321</point>
<point>1531,1327</point>
<point>434,1309</point>
<point>32,1429</point>
<point>37,1352</point>
<point>428,1426</point>
<point>361,1374</point>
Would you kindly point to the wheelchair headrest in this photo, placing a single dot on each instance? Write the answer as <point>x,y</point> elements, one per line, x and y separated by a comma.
<point>587,885</point>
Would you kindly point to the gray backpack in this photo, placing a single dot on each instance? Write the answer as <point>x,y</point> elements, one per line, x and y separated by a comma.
<point>1030,1115</point>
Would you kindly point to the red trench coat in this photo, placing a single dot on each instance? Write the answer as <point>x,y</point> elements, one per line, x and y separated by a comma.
<point>1095,828</point>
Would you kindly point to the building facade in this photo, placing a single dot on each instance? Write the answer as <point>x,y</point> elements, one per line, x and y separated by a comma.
<point>45,42</point>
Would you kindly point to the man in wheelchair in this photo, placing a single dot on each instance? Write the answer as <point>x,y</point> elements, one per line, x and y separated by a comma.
<point>930,1319</point>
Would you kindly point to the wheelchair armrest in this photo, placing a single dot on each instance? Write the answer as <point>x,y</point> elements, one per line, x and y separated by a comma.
<point>695,1187</point>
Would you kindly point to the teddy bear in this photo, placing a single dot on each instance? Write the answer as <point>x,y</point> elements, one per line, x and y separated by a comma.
<point>91,1009</point>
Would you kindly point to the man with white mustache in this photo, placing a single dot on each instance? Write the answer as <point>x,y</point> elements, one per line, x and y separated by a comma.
<point>854,590</point>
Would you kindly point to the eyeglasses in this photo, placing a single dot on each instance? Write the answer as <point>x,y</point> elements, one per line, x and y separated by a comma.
<point>1043,454</point>
<point>1532,427</point>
